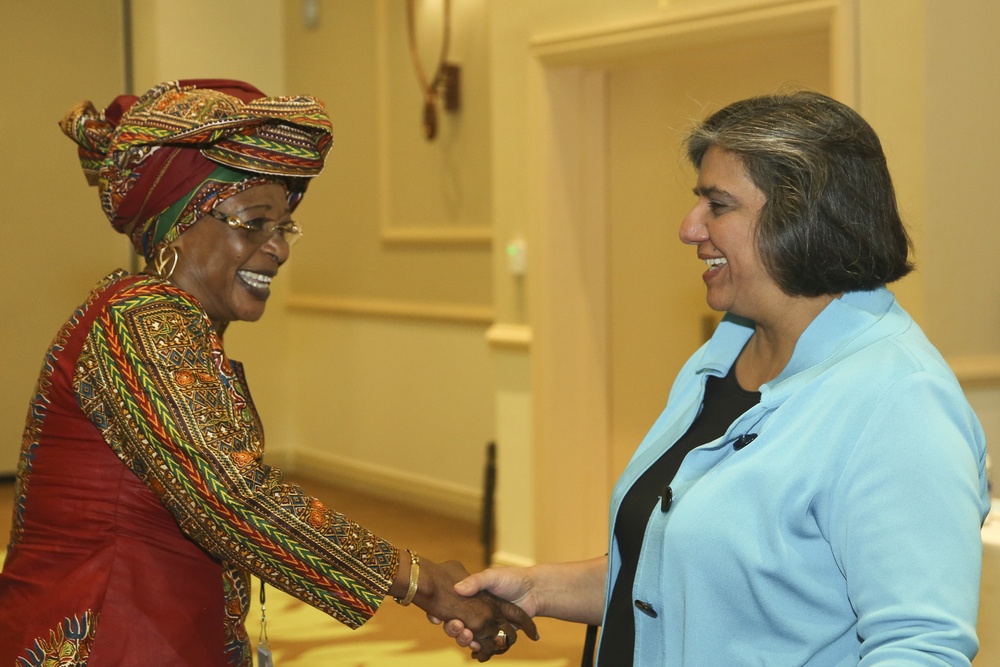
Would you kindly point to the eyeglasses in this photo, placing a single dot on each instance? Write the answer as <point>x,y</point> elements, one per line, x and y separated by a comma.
<point>259,231</point>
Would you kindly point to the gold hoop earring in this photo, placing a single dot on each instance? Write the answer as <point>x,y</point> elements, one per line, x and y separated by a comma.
<point>161,262</point>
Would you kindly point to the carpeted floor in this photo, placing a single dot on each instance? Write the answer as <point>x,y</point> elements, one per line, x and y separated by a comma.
<point>300,636</point>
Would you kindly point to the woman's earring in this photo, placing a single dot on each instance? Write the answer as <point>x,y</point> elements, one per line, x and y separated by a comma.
<point>162,261</point>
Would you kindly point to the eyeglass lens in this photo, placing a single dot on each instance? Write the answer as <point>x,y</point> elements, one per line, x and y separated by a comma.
<point>289,232</point>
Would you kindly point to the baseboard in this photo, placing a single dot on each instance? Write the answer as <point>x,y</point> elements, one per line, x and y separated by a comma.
<point>451,500</point>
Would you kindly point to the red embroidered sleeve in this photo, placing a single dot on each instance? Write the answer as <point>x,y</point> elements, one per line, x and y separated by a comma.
<point>154,378</point>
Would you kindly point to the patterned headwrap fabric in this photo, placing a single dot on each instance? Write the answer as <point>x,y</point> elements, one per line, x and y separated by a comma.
<point>164,160</point>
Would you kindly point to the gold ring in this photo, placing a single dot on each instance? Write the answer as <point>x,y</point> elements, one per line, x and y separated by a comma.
<point>500,640</point>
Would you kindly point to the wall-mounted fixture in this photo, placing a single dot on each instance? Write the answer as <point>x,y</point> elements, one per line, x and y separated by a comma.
<point>517,257</point>
<point>310,14</point>
<point>447,76</point>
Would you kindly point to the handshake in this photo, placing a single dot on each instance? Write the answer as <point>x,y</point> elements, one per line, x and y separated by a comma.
<point>484,611</point>
<point>474,616</point>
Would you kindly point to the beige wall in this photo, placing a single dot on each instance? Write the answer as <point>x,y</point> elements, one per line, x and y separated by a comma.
<point>225,39</point>
<point>400,221</point>
<point>962,133</point>
<point>56,241</point>
<point>391,292</point>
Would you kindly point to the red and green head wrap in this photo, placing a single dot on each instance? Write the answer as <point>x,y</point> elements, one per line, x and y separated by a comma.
<point>166,159</point>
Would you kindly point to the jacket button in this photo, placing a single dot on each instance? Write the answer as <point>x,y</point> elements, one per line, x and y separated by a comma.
<point>666,499</point>
<point>645,608</point>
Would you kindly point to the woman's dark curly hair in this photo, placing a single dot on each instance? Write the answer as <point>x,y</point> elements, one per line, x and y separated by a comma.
<point>830,222</point>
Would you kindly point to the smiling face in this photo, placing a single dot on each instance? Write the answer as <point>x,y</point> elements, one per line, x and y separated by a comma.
<point>723,225</point>
<point>221,267</point>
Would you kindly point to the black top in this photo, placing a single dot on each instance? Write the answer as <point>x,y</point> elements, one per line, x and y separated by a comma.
<point>724,402</point>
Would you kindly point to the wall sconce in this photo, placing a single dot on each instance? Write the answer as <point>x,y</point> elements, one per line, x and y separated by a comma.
<point>310,14</point>
<point>447,76</point>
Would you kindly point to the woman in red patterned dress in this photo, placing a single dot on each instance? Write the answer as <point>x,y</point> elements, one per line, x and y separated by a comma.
<point>142,505</point>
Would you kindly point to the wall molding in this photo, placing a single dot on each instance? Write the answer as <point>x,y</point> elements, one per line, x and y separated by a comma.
<point>473,237</point>
<point>387,308</point>
<point>453,500</point>
<point>506,559</point>
<point>681,27</point>
<point>978,370</point>
<point>510,336</point>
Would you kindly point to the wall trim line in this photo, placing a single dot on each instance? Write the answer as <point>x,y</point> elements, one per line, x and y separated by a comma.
<point>508,335</point>
<point>445,498</point>
<point>476,237</point>
<point>976,369</point>
<point>679,27</point>
<point>388,308</point>
<point>507,559</point>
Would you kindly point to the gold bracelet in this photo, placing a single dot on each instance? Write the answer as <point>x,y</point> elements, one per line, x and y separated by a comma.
<point>414,579</point>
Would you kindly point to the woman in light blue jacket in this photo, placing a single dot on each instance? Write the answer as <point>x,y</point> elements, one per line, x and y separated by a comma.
<point>814,490</point>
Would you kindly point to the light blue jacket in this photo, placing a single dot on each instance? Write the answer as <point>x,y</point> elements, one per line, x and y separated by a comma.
<point>846,533</point>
